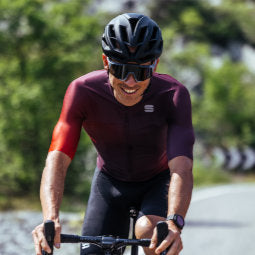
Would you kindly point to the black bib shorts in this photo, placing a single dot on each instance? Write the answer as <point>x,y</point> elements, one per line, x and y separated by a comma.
<point>108,207</point>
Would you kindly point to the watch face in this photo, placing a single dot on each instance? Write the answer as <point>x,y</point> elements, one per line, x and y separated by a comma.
<point>180,221</point>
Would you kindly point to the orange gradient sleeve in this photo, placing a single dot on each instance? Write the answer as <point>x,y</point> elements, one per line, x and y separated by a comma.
<point>67,131</point>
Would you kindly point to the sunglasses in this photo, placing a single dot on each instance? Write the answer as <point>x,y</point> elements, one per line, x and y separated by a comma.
<point>122,71</point>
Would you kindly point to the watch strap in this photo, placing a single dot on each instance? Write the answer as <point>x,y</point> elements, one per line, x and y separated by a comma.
<point>177,219</point>
<point>170,217</point>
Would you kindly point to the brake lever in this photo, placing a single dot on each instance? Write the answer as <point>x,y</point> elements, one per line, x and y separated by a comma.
<point>49,233</point>
<point>162,232</point>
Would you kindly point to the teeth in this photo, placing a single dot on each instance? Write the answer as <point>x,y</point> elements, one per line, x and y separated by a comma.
<point>130,91</point>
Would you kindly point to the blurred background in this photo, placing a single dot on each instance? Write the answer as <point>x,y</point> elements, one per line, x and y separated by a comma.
<point>209,46</point>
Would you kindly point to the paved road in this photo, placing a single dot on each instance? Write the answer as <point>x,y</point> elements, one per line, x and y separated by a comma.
<point>220,221</point>
<point>16,227</point>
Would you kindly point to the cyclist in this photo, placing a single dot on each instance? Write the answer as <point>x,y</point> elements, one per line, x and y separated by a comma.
<point>140,123</point>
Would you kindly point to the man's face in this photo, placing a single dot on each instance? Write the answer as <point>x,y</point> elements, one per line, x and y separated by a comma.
<point>128,92</point>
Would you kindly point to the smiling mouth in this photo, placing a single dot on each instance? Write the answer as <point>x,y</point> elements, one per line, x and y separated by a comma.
<point>129,91</point>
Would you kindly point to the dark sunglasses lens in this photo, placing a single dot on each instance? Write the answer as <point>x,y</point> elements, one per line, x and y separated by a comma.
<point>143,73</point>
<point>122,71</point>
<point>116,70</point>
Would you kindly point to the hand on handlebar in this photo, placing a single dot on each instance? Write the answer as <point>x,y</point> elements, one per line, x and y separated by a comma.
<point>40,241</point>
<point>171,241</point>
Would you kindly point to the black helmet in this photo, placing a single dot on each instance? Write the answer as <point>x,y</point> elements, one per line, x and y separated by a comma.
<point>136,31</point>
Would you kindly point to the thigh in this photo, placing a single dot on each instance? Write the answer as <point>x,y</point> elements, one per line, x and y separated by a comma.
<point>155,200</point>
<point>154,205</point>
<point>105,213</point>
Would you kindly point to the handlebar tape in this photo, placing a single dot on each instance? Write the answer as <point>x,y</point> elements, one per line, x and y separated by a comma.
<point>49,233</point>
<point>162,232</point>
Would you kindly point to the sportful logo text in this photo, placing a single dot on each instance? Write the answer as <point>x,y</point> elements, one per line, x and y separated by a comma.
<point>149,108</point>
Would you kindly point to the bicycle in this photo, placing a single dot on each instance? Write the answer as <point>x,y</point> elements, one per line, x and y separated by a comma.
<point>109,244</point>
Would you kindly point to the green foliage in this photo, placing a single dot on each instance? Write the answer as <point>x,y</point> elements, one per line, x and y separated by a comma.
<point>197,20</point>
<point>210,175</point>
<point>198,50</point>
<point>224,113</point>
<point>44,46</point>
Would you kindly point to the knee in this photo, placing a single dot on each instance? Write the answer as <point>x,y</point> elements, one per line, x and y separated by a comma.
<point>143,228</point>
<point>145,225</point>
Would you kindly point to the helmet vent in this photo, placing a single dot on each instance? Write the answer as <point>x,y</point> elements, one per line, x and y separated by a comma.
<point>103,38</point>
<point>111,31</point>
<point>114,43</point>
<point>133,22</point>
<point>154,33</point>
<point>142,34</point>
<point>147,58</point>
<point>132,37</point>
<point>123,33</point>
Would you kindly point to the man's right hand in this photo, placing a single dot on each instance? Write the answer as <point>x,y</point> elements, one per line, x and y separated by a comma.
<point>40,240</point>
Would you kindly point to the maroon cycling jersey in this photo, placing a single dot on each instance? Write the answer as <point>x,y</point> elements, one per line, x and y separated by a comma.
<point>134,143</point>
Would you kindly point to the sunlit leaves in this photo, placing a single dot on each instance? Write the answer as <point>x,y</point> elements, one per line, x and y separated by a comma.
<point>44,45</point>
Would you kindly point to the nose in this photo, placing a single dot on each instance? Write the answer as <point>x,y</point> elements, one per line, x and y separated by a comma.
<point>130,81</point>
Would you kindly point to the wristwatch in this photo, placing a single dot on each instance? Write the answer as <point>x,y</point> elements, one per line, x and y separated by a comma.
<point>177,219</point>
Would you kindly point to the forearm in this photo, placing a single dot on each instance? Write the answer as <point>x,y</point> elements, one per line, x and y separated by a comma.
<point>180,190</point>
<point>181,185</point>
<point>52,184</point>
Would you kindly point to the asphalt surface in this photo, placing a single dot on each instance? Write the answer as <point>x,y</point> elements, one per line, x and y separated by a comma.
<point>220,221</point>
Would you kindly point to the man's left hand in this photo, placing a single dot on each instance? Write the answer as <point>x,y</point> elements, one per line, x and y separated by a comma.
<point>172,241</point>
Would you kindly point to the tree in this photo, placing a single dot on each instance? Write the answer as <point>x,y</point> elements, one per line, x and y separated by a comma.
<point>203,46</point>
<point>44,46</point>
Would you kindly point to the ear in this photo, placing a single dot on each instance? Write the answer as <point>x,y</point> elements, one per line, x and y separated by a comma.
<point>105,61</point>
